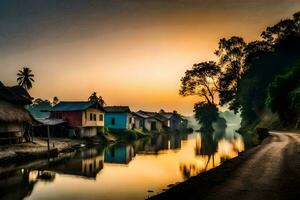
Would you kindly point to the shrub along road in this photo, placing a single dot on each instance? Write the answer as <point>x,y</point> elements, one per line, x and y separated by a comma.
<point>269,171</point>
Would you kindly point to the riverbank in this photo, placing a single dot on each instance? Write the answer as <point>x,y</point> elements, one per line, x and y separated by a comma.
<point>18,154</point>
<point>263,172</point>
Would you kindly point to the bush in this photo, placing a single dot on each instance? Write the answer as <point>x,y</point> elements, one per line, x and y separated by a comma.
<point>124,134</point>
<point>262,133</point>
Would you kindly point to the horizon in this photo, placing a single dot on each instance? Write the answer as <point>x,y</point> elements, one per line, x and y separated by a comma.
<point>131,52</point>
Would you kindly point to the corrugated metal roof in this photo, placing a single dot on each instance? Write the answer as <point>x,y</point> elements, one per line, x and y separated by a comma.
<point>72,106</point>
<point>145,114</point>
<point>117,109</point>
<point>167,115</point>
<point>140,115</point>
<point>50,122</point>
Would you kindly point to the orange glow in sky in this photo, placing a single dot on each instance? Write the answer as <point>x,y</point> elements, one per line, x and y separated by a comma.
<point>130,52</point>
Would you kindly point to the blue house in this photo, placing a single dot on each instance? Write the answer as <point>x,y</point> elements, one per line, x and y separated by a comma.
<point>118,117</point>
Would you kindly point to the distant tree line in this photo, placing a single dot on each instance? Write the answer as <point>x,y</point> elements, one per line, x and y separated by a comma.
<point>250,78</point>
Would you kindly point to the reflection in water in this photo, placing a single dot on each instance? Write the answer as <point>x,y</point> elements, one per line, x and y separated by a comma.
<point>157,143</point>
<point>123,171</point>
<point>121,154</point>
<point>86,163</point>
<point>211,149</point>
<point>20,183</point>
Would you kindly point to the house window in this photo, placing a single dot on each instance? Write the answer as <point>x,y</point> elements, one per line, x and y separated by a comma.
<point>101,117</point>
<point>91,117</point>
<point>112,121</point>
<point>130,120</point>
<point>95,117</point>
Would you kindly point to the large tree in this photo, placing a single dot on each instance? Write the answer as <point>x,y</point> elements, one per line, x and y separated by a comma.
<point>201,80</point>
<point>25,78</point>
<point>206,114</point>
<point>231,56</point>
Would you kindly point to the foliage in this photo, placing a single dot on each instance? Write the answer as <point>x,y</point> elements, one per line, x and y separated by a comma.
<point>248,75</point>
<point>283,94</point>
<point>95,98</point>
<point>206,114</point>
<point>25,78</point>
<point>231,53</point>
<point>127,135</point>
<point>55,101</point>
<point>262,61</point>
<point>39,108</point>
<point>201,81</point>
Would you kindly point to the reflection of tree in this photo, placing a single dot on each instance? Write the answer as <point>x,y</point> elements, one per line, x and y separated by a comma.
<point>188,170</point>
<point>211,145</point>
<point>208,144</point>
<point>219,128</point>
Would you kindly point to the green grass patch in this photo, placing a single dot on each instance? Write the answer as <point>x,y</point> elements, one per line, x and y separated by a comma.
<point>127,135</point>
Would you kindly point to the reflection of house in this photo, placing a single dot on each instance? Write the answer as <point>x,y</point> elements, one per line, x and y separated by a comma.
<point>149,121</point>
<point>152,145</point>
<point>119,154</point>
<point>91,167</point>
<point>84,116</point>
<point>175,142</point>
<point>118,117</point>
<point>15,120</point>
<point>87,164</point>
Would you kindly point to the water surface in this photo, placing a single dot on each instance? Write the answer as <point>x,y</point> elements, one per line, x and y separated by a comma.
<point>123,171</point>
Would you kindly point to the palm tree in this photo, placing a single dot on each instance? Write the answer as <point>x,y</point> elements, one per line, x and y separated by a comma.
<point>25,78</point>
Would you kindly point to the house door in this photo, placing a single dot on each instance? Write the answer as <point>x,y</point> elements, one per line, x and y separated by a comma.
<point>153,126</point>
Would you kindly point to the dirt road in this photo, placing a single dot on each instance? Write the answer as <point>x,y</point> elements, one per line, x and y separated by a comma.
<point>270,171</point>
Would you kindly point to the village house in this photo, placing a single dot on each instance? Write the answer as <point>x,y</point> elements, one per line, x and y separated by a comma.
<point>15,120</point>
<point>174,121</point>
<point>149,121</point>
<point>84,117</point>
<point>118,117</point>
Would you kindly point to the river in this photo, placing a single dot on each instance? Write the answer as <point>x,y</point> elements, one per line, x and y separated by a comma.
<point>123,171</point>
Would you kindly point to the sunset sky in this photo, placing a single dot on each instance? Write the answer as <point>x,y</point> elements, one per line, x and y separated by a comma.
<point>131,52</point>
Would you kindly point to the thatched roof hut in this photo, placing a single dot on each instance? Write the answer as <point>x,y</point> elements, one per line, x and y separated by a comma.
<point>13,113</point>
<point>14,118</point>
<point>12,102</point>
<point>15,95</point>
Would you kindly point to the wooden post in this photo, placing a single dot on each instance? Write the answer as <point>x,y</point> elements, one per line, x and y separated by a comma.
<point>32,133</point>
<point>48,140</point>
